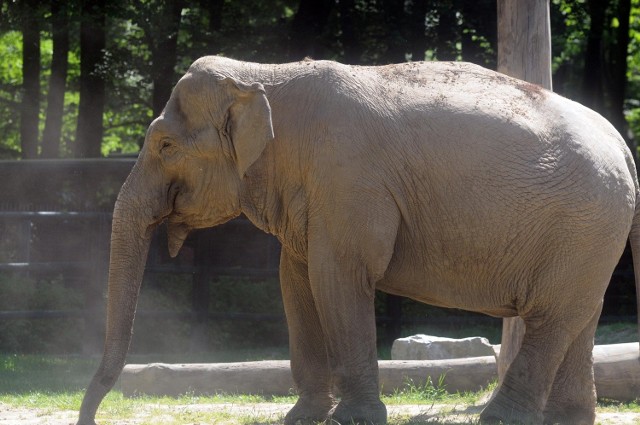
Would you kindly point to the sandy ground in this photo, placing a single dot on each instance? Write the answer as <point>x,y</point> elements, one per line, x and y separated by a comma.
<point>272,414</point>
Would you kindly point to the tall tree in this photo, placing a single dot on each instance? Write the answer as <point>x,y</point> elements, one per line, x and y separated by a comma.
<point>214,10</point>
<point>92,78</point>
<point>618,80</point>
<point>416,25</point>
<point>396,43</point>
<point>447,31</point>
<point>592,79</point>
<point>479,33</point>
<point>164,51</point>
<point>57,80</point>
<point>30,105</point>
<point>307,27</point>
<point>348,38</point>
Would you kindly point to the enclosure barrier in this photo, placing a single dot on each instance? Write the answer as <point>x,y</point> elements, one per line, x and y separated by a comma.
<point>616,369</point>
<point>55,220</point>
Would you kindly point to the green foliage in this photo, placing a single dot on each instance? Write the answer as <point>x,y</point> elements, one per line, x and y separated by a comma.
<point>259,30</point>
<point>632,103</point>
<point>10,80</point>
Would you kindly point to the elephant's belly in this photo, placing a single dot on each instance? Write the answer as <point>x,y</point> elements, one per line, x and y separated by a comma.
<point>443,291</point>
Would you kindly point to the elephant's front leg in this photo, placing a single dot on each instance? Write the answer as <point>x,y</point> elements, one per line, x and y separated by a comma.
<point>309,364</point>
<point>344,297</point>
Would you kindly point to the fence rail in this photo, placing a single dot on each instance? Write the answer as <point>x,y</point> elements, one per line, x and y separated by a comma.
<point>43,198</point>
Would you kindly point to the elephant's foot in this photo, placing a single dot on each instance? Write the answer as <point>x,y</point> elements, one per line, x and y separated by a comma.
<point>570,415</point>
<point>346,413</point>
<point>309,410</point>
<point>502,411</point>
<point>85,420</point>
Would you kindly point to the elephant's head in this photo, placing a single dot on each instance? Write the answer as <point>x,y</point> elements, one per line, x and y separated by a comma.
<point>189,174</point>
<point>197,152</point>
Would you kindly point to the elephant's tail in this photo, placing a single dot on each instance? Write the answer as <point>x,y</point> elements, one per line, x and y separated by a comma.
<point>634,241</point>
<point>634,234</point>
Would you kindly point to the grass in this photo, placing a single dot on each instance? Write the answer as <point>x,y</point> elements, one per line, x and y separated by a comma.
<point>50,384</point>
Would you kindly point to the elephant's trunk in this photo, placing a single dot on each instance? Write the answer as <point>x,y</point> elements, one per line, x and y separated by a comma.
<point>133,221</point>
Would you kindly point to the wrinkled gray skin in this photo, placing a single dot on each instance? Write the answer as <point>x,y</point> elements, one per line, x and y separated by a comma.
<point>443,182</point>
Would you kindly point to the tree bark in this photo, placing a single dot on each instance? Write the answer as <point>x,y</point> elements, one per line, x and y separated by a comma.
<point>57,81</point>
<point>165,52</point>
<point>92,81</point>
<point>524,51</point>
<point>30,106</point>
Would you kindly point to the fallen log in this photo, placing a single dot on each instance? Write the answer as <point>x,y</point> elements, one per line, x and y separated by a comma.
<point>616,369</point>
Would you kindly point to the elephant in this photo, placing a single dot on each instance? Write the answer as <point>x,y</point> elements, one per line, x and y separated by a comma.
<point>444,182</point>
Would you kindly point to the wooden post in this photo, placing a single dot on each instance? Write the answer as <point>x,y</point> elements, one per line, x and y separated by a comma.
<point>524,52</point>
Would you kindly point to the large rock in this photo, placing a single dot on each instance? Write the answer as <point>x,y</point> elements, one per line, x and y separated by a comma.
<point>427,347</point>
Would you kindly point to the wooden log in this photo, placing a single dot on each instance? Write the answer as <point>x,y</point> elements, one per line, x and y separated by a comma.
<point>272,377</point>
<point>458,375</point>
<point>617,373</point>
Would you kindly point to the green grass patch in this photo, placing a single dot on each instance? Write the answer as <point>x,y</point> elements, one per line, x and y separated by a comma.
<point>47,384</point>
<point>618,407</point>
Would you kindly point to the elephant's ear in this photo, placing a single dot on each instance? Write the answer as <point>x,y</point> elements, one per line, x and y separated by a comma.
<point>248,123</point>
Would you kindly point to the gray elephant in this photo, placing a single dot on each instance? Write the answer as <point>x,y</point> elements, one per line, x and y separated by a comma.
<point>443,182</point>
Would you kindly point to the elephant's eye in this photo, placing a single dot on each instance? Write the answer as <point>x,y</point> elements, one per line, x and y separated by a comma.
<point>168,150</point>
<point>167,146</point>
<point>166,143</point>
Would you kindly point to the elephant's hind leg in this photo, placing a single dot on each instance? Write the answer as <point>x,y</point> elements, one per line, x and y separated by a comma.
<point>521,397</point>
<point>573,396</point>
<point>309,364</point>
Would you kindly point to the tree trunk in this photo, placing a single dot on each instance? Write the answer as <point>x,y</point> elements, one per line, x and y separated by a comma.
<point>307,27</point>
<point>618,80</point>
<point>30,106</point>
<point>524,51</point>
<point>447,31</point>
<point>92,81</point>
<point>393,11</point>
<point>417,30</point>
<point>214,10</point>
<point>592,78</point>
<point>479,21</point>
<point>165,53</point>
<point>57,81</point>
<point>348,37</point>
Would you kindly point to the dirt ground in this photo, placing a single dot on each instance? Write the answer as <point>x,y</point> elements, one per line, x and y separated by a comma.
<point>272,413</point>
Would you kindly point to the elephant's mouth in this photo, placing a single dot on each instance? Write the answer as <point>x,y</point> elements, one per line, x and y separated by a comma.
<point>177,232</point>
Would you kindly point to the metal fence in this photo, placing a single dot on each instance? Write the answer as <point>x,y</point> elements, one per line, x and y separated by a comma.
<point>55,220</point>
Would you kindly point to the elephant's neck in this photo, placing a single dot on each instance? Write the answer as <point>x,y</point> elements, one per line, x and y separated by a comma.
<point>274,195</point>
<point>274,200</point>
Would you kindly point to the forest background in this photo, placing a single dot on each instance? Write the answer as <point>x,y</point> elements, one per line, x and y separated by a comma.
<point>84,78</point>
